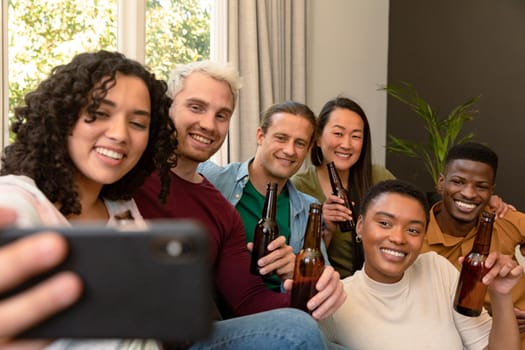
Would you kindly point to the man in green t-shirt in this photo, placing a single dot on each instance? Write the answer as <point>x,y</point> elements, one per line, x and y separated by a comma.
<point>284,139</point>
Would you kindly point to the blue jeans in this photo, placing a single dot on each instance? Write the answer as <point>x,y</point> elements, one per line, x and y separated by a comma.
<point>288,329</point>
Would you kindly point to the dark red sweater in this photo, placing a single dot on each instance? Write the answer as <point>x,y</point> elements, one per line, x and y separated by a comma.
<point>238,290</point>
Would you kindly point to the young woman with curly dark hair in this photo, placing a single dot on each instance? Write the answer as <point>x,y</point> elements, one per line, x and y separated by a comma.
<point>92,131</point>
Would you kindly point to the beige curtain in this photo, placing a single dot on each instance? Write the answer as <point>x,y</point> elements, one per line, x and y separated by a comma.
<point>267,42</point>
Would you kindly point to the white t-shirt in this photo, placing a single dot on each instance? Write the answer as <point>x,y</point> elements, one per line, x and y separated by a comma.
<point>34,209</point>
<point>414,313</point>
<point>20,193</point>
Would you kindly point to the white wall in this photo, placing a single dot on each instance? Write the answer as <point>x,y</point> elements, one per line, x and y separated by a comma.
<point>348,54</point>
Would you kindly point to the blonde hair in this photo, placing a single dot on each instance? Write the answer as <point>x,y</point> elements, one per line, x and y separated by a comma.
<point>217,70</point>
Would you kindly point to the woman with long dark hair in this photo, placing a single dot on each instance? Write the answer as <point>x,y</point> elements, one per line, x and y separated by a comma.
<point>342,136</point>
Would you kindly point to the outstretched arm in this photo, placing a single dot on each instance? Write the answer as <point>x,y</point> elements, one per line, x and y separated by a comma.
<point>503,275</point>
<point>19,261</point>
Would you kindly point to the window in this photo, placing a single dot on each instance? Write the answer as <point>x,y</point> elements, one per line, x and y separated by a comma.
<point>176,32</point>
<point>40,34</point>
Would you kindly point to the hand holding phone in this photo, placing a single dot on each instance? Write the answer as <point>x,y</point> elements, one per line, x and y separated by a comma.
<point>18,262</point>
<point>152,282</point>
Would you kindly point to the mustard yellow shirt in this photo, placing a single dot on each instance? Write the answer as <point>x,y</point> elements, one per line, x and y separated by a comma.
<point>508,232</point>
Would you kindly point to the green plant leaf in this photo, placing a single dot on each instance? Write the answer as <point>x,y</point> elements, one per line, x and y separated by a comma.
<point>442,133</point>
<point>405,147</point>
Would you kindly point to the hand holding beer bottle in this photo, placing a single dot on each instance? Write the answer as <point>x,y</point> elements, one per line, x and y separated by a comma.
<point>339,190</point>
<point>470,292</point>
<point>348,225</point>
<point>309,262</point>
<point>266,229</point>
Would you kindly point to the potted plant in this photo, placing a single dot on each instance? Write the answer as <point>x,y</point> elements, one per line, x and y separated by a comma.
<point>442,132</point>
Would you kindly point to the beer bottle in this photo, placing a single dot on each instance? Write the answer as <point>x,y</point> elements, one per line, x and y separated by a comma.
<point>349,225</point>
<point>266,229</point>
<point>309,262</point>
<point>470,292</point>
<point>339,191</point>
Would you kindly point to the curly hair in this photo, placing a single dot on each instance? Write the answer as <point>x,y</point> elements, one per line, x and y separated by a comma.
<point>46,119</point>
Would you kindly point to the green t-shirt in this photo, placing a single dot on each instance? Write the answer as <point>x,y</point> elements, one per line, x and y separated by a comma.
<point>250,208</point>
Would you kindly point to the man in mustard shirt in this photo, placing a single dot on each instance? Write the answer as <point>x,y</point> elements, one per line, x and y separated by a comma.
<point>466,187</point>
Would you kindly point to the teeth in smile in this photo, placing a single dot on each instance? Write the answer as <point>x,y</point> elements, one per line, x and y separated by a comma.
<point>392,252</point>
<point>465,205</point>
<point>286,160</point>
<point>109,153</point>
<point>201,139</point>
<point>343,155</point>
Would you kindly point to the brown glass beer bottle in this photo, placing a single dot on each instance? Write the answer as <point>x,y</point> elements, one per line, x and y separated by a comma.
<point>470,292</point>
<point>309,262</point>
<point>349,225</point>
<point>339,191</point>
<point>266,229</point>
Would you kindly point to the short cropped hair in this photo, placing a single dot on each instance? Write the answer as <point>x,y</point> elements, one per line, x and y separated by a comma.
<point>395,186</point>
<point>216,70</point>
<point>474,151</point>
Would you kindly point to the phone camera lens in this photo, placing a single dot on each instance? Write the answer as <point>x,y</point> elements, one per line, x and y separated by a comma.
<point>174,248</point>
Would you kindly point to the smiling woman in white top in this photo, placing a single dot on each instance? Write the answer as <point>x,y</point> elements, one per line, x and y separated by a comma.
<point>402,299</point>
<point>85,140</point>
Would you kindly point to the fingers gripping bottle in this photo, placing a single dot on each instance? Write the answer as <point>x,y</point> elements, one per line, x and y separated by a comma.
<point>470,292</point>
<point>309,262</point>
<point>266,229</point>
<point>349,225</point>
<point>339,191</point>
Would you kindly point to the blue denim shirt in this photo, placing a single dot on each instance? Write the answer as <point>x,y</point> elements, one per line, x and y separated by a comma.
<point>231,179</point>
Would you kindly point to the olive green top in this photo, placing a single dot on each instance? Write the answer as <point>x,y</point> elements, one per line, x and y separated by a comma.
<point>340,249</point>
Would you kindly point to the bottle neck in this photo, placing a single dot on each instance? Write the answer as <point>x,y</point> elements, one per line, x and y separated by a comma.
<point>337,186</point>
<point>270,203</point>
<point>484,234</point>
<point>335,180</point>
<point>312,237</point>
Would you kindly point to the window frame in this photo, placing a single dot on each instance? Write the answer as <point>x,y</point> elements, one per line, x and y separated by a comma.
<point>4,74</point>
<point>131,39</point>
<point>219,52</point>
<point>131,28</point>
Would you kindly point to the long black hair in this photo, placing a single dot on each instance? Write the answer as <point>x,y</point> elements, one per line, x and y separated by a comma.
<point>359,178</point>
<point>360,174</point>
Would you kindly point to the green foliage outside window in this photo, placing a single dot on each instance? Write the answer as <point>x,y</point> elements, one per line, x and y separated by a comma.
<point>177,31</point>
<point>43,34</point>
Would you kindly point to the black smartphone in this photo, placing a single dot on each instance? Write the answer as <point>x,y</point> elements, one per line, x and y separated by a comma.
<point>145,282</point>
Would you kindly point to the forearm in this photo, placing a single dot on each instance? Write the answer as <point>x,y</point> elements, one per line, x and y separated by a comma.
<point>504,333</point>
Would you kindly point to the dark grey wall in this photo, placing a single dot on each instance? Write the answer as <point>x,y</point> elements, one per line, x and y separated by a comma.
<point>451,51</point>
